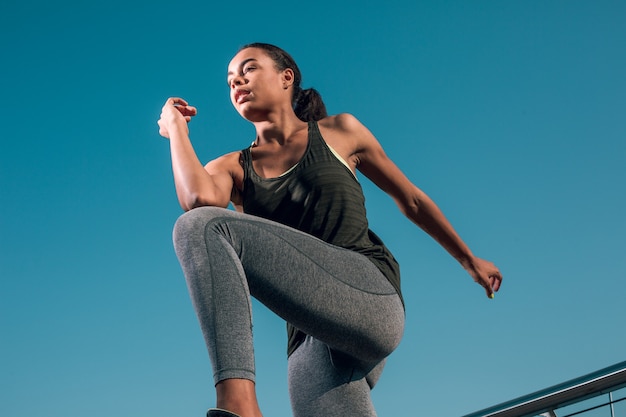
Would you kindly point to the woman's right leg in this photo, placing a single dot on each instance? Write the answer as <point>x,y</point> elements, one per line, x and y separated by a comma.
<point>337,296</point>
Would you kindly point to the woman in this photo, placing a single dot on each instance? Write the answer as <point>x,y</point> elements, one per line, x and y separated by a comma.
<point>298,241</point>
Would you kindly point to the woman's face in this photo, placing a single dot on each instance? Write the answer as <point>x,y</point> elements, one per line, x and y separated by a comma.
<point>256,86</point>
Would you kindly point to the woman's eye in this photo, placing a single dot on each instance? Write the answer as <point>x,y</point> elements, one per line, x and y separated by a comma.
<point>248,69</point>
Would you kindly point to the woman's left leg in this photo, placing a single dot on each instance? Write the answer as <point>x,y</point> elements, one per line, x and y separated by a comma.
<point>326,383</point>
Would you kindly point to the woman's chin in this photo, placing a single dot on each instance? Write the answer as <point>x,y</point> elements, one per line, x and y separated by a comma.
<point>252,115</point>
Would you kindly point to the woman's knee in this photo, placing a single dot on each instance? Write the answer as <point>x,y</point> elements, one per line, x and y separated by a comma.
<point>191,225</point>
<point>196,219</point>
<point>386,336</point>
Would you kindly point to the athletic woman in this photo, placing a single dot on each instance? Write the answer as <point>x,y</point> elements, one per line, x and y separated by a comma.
<point>298,241</point>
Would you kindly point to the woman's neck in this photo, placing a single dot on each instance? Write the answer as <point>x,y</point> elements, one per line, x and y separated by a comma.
<point>278,129</point>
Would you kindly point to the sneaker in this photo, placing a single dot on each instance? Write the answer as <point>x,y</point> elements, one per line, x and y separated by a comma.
<point>216,412</point>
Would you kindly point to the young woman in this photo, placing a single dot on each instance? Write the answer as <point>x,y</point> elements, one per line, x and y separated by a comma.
<point>298,241</point>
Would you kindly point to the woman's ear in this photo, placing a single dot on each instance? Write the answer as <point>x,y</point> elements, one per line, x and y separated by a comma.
<point>288,77</point>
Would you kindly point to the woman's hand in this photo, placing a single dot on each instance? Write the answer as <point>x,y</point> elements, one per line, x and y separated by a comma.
<point>175,115</point>
<point>486,274</point>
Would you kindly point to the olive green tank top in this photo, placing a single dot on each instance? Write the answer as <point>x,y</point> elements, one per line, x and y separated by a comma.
<point>320,196</point>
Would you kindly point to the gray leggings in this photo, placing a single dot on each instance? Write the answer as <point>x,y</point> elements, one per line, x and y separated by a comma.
<point>352,314</point>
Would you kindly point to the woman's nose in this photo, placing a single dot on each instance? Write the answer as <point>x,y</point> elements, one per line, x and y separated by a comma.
<point>237,81</point>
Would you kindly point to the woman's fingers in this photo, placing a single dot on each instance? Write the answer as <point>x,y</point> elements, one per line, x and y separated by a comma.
<point>187,111</point>
<point>496,280</point>
<point>487,275</point>
<point>172,101</point>
<point>182,106</point>
<point>171,113</point>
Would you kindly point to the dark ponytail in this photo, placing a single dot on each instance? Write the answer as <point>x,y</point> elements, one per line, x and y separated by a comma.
<point>307,104</point>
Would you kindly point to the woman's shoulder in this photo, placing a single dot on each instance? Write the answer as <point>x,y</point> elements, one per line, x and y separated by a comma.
<point>345,134</point>
<point>227,162</point>
<point>345,122</point>
<point>229,168</point>
<point>230,164</point>
<point>347,127</point>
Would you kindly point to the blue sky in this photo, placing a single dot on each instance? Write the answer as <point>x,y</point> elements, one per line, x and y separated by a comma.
<point>509,114</point>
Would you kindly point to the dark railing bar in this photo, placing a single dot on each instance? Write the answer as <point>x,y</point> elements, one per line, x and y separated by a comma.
<point>596,383</point>
<point>594,407</point>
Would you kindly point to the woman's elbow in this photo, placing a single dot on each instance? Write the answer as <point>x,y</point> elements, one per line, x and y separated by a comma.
<point>196,200</point>
<point>409,207</point>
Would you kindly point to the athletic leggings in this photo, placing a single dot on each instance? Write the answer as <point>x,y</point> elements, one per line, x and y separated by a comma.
<point>352,315</point>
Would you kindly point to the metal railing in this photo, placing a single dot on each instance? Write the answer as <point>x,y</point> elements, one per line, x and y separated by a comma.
<point>558,400</point>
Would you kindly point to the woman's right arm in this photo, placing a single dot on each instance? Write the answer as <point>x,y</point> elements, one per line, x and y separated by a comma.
<point>196,185</point>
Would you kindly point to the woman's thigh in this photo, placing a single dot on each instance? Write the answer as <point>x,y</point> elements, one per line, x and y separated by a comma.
<point>336,295</point>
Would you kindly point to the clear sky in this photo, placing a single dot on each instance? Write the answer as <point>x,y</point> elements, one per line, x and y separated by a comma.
<point>511,115</point>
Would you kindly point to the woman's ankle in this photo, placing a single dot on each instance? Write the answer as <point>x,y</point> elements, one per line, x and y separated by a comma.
<point>238,396</point>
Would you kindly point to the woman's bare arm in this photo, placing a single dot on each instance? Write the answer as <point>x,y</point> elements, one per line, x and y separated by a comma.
<point>195,184</point>
<point>372,161</point>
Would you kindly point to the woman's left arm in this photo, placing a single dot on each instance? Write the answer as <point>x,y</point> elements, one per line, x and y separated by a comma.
<point>415,204</point>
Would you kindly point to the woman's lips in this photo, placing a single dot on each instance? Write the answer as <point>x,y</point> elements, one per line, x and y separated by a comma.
<point>241,96</point>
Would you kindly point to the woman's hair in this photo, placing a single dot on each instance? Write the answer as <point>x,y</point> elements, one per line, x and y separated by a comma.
<point>307,104</point>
